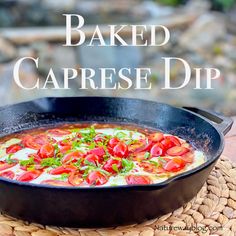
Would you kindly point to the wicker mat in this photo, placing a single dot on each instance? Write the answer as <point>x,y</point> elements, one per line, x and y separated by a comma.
<point>211,212</point>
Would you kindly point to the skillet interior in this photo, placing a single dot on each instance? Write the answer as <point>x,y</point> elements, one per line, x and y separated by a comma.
<point>48,111</point>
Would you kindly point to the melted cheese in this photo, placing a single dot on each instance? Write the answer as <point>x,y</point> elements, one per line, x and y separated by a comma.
<point>113,180</point>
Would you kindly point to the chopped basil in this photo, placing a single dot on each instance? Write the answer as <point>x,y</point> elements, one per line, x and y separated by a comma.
<point>115,168</point>
<point>76,144</point>
<point>75,130</point>
<point>147,155</point>
<point>88,136</point>
<point>89,163</point>
<point>127,165</point>
<point>78,163</point>
<point>162,160</point>
<point>121,135</point>
<point>28,162</point>
<point>9,160</point>
<point>51,162</point>
<point>63,177</point>
<point>154,163</point>
<point>92,145</point>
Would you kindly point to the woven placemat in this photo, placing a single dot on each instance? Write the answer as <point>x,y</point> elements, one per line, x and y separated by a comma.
<point>211,212</point>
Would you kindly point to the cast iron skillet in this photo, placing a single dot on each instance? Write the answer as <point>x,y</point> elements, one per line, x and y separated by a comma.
<point>110,206</point>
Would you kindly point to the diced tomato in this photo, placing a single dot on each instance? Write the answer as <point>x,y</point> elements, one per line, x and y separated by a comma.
<point>188,157</point>
<point>99,151</point>
<point>62,170</point>
<point>8,174</point>
<point>95,159</point>
<point>111,165</point>
<point>29,176</point>
<point>29,142</point>
<point>96,178</point>
<point>177,151</point>
<point>120,150</point>
<point>59,132</point>
<point>138,179</point>
<point>157,149</point>
<point>46,151</point>
<point>72,157</point>
<point>174,165</point>
<point>56,183</point>
<point>75,178</point>
<point>113,142</point>
<point>156,137</point>
<point>13,148</point>
<point>4,165</point>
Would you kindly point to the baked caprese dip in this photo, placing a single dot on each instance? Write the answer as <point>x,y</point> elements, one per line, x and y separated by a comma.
<point>95,155</point>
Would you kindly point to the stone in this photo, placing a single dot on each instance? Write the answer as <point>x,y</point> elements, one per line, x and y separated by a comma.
<point>7,50</point>
<point>152,9</point>
<point>204,32</point>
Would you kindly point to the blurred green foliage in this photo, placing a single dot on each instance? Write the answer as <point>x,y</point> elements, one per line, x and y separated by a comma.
<point>223,4</point>
<point>220,5</point>
<point>169,2</point>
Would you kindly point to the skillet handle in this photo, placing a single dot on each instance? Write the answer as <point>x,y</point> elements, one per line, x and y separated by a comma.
<point>220,122</point>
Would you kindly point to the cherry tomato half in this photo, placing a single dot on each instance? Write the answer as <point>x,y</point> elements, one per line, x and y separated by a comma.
<point>174,165</point>
<point>29,176</point>
<point>46,151</point>
<point>146,147</point>
<point>148,167</point>
<point>13,148</point>
<point>100,138</point>
<point>95,159</point>
<point>188,157</point>
<point>55,183</point>
<point>8,174</point>
<point>29,142</point>
<point>113,142</point>
<point>170,141</point>
<point>120,150</point>
<point>4,165</point>
<point>157,149</point>
<point>42,139</point>
<point>72,157</point>
<point>139,156</point>
<point>111,165</point>
<point>62,170</point>
<point>174,139</point>
<point>96,178</point>
<point>65,142</point>
<point>75,178</point>
<point>64,149</point>
<point>138,179</point>
<point>99,151</point>
<point>156,137</point>
<point>177,151</point>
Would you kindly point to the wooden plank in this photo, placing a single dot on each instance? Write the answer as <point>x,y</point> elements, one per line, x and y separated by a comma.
<point>57,33</point>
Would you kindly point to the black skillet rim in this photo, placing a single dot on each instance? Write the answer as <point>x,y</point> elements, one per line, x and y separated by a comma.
<point>126,187</point>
